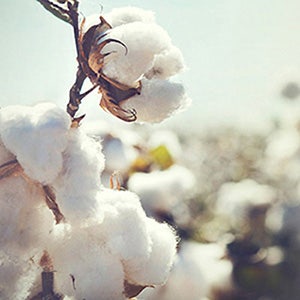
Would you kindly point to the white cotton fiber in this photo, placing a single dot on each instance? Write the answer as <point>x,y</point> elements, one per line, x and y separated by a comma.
<point>158,100</point>
<point>37,136</point>
<point>84,267</point>
<point>155,269</point>
<point>143,41</point>
<point>79,183</point>
<point>124,15</point>
<point>17,276</point>
<point>124,227</point>
<point>25,221</point>
<point>166,64</point>
<point>162,190</point>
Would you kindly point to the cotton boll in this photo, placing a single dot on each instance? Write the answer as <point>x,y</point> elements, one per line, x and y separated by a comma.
<point>143,41</point>
<point>125,15</point>
<point>159,99</point>
<point>37,136</point>
<point>162,190</point>
<point>85,269</point>
<point>166,64</point>
<point>155,269</point>
<point>79,183</point>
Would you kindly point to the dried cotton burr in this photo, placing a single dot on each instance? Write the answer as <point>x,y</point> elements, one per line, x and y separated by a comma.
<point>106,248</point>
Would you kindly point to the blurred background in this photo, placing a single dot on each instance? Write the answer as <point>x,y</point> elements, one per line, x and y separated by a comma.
<point>226,172</point>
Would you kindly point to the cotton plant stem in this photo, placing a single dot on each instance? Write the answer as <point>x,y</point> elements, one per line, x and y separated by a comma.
<point>70,15</point>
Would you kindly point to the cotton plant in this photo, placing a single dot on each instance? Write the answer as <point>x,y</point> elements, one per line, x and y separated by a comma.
<point>63,234</point>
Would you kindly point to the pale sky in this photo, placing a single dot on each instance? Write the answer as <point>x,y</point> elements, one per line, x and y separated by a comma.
<point>239,54</point>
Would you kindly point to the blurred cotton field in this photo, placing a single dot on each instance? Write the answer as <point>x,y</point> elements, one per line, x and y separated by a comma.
<point>141,211</point>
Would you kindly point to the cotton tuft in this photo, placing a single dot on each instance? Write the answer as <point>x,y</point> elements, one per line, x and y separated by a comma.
<point>37,136</point>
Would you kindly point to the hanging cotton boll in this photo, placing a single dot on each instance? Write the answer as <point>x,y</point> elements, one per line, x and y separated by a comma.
<point>143,41</point>
<point>155,269</point>
<point>78,184</point>
<point>125,15</point>
<point>166,64</point>
<point>159,99</point>
<point>84,268</point>
<point>162,190</point>
<point>37,136</point>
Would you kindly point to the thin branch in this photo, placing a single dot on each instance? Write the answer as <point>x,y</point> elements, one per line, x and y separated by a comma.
<point>56,10</point>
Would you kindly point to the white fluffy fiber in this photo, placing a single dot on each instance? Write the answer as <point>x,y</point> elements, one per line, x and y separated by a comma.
<point>107,238</point>
<point>37,136</point>
<point>151,58</point>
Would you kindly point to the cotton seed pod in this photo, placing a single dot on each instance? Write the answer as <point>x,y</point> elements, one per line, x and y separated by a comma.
<point>91,43</point>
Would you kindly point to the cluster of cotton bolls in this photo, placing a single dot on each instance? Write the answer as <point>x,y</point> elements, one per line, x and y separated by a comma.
<point>151,60</point>
<point>105,248</point>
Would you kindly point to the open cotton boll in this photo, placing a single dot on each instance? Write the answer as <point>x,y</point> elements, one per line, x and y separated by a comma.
<point>143,41</point>
<point>159,99</point>
<point>84,268</point>
<point>166,64</point>
<point>78,184</point>
<point>37,137</point>
<point>162,190</point>
<point>129,14</point>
